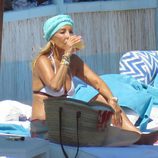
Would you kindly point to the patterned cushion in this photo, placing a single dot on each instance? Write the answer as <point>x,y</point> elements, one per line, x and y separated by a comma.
<point>142,65</point>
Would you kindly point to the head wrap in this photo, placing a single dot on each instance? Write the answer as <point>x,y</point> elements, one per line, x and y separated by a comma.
<point>52,25</point>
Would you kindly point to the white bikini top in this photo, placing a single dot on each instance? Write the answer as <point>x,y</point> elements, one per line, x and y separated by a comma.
<point>61,92</point>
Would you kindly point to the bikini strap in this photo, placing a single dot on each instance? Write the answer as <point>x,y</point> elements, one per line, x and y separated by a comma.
<point>52,61</point>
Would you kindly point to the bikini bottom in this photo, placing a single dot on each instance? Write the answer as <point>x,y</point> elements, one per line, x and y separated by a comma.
<point>39,129</point>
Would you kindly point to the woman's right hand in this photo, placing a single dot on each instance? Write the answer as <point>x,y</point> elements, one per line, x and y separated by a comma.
<point>117,117</point>
<point>73,44</point>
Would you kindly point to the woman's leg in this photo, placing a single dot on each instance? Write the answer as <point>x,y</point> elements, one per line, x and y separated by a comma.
<point>38,110</point>
<point>38,123</point>
<point>148,139</point>
<point>39,129</point>
<point>126,123</point>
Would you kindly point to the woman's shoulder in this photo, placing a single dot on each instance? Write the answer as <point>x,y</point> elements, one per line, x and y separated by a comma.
<point>43,59</point>
<point>75,57</point>
<point>75,60</point>
<point>76,63</point>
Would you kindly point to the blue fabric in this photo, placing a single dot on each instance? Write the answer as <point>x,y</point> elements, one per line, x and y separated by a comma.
<point>131,93</point>
<point>14,129</point>
<point>83,91</point>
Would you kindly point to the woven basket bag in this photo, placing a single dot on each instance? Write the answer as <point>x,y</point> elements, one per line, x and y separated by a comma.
<point>76,123</point>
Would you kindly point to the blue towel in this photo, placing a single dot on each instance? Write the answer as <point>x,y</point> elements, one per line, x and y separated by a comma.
<point>14,130</point>
<point>131,93</point>
<point>83,91</point>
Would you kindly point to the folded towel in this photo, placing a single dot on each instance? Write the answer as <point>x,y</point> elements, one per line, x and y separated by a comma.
<point>13,129</point>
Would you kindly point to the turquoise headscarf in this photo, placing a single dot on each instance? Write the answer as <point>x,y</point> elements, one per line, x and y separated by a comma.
<point>52,25</point>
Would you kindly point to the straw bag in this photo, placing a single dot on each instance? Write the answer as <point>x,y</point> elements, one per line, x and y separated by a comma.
<point>76,123</point>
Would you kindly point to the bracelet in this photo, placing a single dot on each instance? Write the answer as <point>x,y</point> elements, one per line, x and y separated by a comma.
<point>64,62</point>
<point>66,57</point>
<point>115,99</point>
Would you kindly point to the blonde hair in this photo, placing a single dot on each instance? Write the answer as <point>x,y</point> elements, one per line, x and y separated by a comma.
<point>49,47</point>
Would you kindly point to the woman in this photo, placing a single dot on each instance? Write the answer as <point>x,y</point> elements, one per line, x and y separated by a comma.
<point>54,68</point>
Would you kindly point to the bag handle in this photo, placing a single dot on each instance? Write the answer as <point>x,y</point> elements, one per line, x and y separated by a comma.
<point>78,115</point>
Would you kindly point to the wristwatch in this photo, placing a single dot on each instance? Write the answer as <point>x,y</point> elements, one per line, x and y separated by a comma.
<point>114,99</point>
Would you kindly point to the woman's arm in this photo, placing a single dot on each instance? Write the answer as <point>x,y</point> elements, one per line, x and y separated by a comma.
<point>90,77</point>
<point>45,71</point>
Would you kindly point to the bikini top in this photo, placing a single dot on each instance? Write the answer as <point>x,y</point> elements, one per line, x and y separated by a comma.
<point>61,92</point>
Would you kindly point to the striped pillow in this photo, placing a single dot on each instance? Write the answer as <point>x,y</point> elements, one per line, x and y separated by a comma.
<point>142,65</point>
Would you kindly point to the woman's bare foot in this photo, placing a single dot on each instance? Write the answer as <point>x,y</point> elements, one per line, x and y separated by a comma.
<point>127,124</point>
<point>148,139</point>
